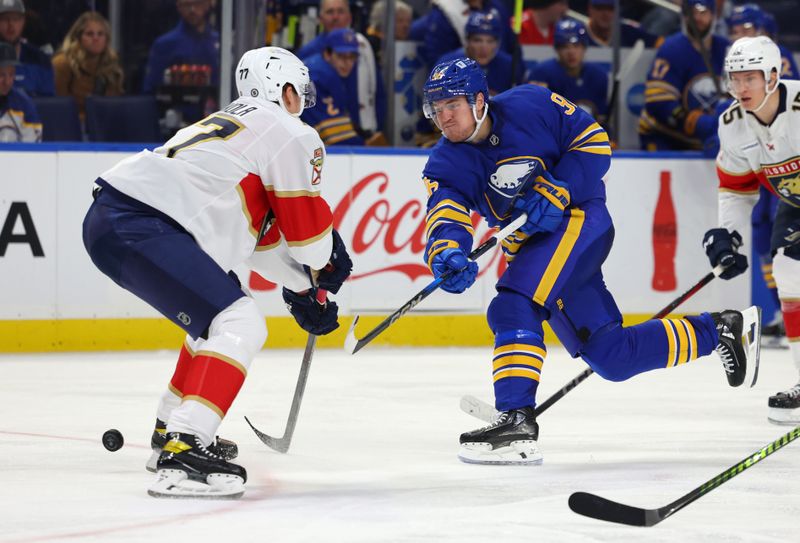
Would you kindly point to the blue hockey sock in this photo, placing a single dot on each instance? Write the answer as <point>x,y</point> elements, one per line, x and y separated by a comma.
<point>620,353</point>
<point>516,367</point>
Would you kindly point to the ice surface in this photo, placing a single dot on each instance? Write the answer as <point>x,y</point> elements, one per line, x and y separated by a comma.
<point>374,453</point>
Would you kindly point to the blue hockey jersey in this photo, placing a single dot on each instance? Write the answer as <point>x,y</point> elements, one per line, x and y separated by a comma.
<point>789,68</point>
<point>498,71</point>
<point>331,117</point>
<point>532,127</point>
<point>680,95</point>
<point>589,90</point>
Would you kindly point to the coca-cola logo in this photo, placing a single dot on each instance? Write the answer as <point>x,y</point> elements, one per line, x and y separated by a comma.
<point>378,223</point>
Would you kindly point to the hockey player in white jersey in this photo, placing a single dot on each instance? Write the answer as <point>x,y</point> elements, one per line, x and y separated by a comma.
<point>760,143</point>
<point>240,187</point>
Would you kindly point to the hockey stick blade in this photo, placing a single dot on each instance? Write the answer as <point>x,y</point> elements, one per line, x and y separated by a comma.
<point>590,505</point>
<point>352,344</point>
<point>281,444</point>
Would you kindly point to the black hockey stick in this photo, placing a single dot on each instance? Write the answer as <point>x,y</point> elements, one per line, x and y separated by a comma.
<point>473,406</point>
<point>352,344</point>
<point>590,505</point>
<point>281,444</point>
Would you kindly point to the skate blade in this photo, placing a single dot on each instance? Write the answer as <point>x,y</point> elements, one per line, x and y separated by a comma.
<point>172,483</point>
<point>751,341</point>
<point>784,417</point>
<point>152,462</point>
<point>517,453</point>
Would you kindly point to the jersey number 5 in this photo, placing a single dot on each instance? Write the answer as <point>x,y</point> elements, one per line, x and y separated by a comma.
<point>221,128</point>
<point>569,107</point>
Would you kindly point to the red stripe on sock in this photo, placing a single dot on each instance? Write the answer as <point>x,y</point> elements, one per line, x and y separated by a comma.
<point>182,369</point>
<point>791,317</point>
<point>215,380</point>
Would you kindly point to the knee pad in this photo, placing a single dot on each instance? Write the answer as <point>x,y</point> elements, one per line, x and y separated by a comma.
<point>510,310</point>
<point>238,331</point>
<point>786,271</point>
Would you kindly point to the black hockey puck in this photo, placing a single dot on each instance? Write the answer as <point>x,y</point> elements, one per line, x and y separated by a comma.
<point>113,440</point>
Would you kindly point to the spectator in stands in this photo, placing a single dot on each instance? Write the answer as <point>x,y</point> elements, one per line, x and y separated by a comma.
<point>601,26</point>
<point>402,25</point>
<point>34,71</point>
<point>483,31</point>
<point>19,121</point>
<point>193,42</point>
<point>364,84</point>
<point>332,117</point>
<point>750,20</point>
<point>539,21</point>
<point>445,24</point>
<point>583,84</point>
<point>681,95</point>
<point>86,64</point>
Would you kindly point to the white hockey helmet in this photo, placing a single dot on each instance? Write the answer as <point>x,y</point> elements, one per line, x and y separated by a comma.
<point>755,53</point>
<point>262,73</point>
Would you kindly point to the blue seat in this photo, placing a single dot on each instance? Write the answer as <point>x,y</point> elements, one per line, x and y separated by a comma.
<point>60,120</point>
<point>122,119</point>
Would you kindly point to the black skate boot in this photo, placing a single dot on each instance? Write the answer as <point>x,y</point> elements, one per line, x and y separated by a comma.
<point>227,450</point>
<point>784,407</point>
<point>187,469</point>
<point>510,439</point>
<point>739,344</point>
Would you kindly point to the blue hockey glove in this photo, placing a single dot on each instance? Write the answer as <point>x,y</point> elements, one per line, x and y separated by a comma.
<point>545,203</point>
<point>464,271</point>
<point>721,248</point>
<point>313,317</point>
<point>338,269</point>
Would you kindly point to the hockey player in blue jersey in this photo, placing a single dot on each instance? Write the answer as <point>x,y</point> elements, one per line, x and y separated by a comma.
<point>484,31</point>
<point>582,84</point>
<point>680,94</point>
<point>529,150</point>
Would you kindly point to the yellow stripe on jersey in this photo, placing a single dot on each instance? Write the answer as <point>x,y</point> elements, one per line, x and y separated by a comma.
<point>588,130</point>
<point>564,249</point>
<point>671,341</point>
<point>512,244</point>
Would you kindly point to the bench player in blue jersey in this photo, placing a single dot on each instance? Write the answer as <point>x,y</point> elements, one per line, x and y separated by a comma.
<point>583,84</point>
<point>529,150</point>
<point>681,94</point>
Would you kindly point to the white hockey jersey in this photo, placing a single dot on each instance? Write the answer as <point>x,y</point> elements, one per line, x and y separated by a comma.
<point>245,182</point>
<point>751,153</point>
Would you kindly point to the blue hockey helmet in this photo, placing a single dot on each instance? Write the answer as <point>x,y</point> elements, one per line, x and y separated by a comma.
<point>770,24</point>
<point>746,15</point>
<point>689,5</point>
<point>457,77</point>
<point>570,31</point>
<point>480,22</point>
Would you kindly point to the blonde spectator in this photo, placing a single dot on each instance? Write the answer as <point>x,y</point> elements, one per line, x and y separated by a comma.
<point>86,64</point>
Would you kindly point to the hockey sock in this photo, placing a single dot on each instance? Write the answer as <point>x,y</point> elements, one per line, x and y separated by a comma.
<point>218,370</point>
<point>516,367</point>
<point>621,353</point>
<point>791,320</point>
<point>172,396</point>
<point>769,280</point>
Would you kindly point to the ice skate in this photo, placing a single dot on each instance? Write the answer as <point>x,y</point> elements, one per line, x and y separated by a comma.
<point>511,439</point>
<point>225,449</point>
<point>187,469</point>
<point>739,344</point>
<point>784,407</point>
<point>773,334</point>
